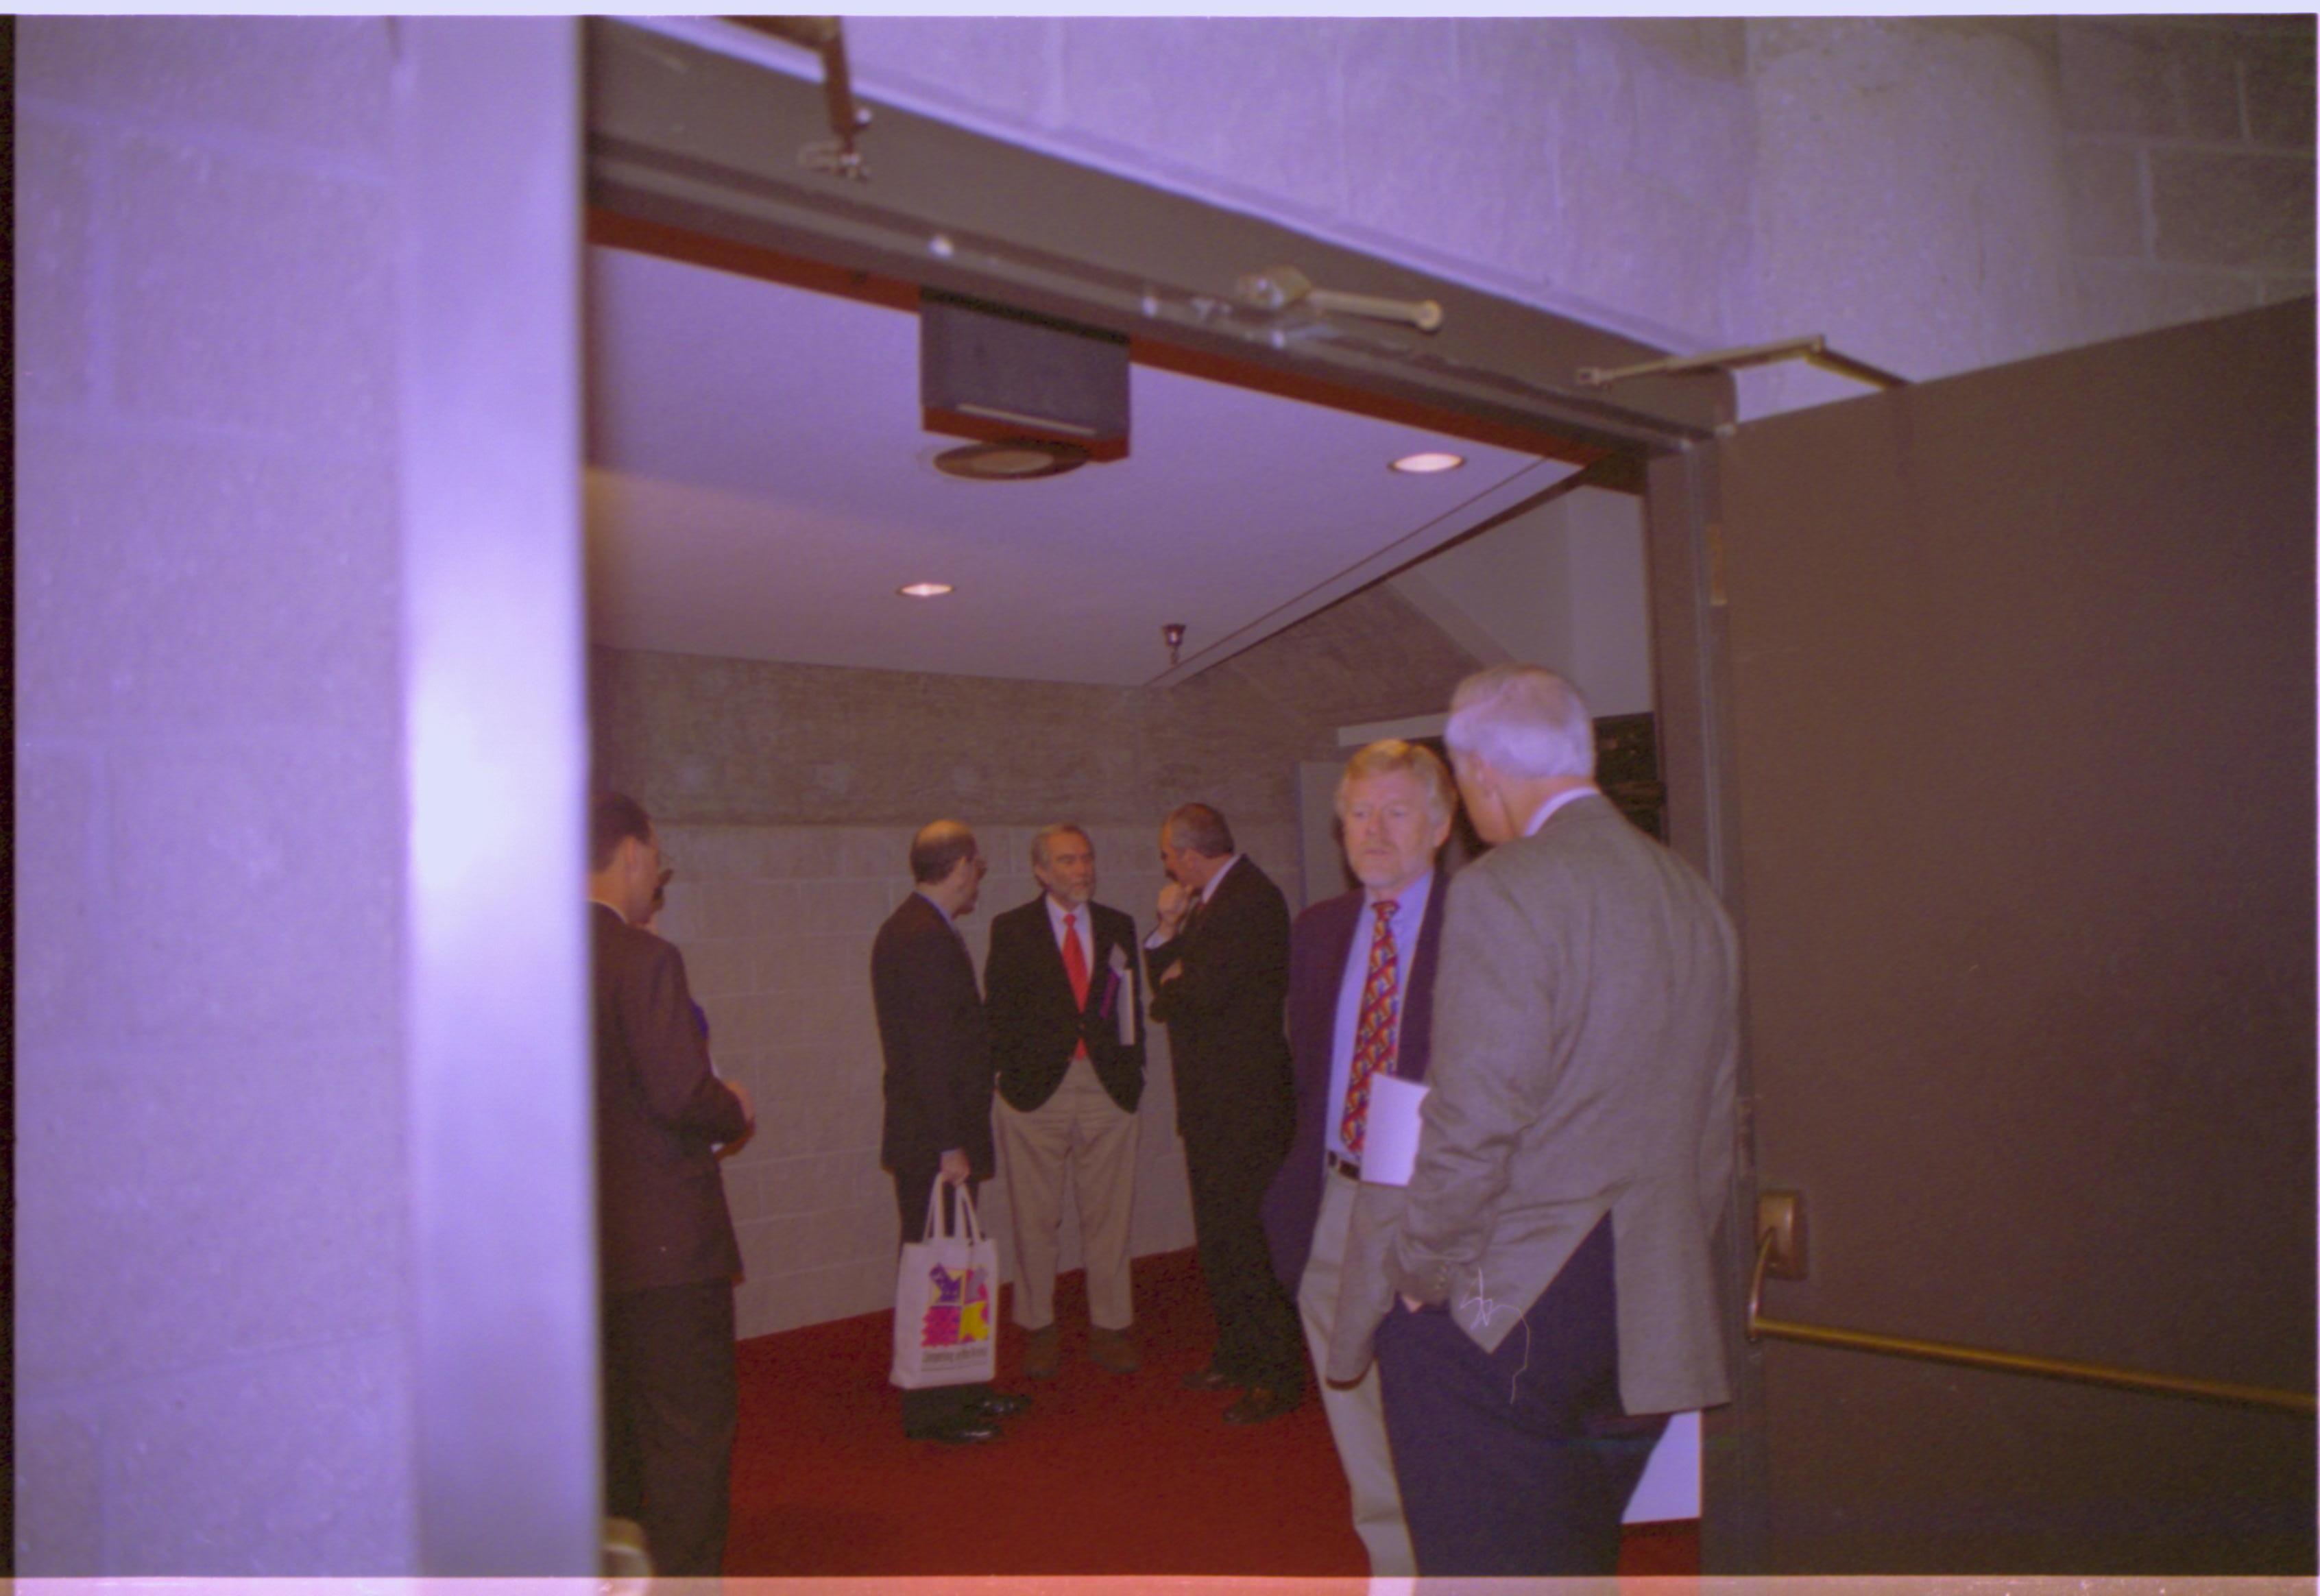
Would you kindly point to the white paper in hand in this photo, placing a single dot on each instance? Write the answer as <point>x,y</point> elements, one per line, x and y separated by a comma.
<point>1389,1138</point>
<point>1122,997</point>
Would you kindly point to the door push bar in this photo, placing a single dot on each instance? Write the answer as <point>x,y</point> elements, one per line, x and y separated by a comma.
<point>1779,1253</point>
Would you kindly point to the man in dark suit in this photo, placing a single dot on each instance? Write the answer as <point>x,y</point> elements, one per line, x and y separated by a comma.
<point>1553,1255</point>
<point>938,1081</point>
<point>666,1248</point>
<point>1361,997</point>
<point>1065,999</point>
<point>1219,962</point>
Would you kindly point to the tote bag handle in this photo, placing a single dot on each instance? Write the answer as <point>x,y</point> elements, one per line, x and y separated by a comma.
<point>961,1224</point>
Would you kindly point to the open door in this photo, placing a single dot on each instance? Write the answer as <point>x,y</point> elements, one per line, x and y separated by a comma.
<point>2013,773</point>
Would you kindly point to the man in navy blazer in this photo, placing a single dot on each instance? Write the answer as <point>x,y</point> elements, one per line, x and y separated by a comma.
<point>938,1083</point>
<point>666,1240</point>
<point>1065,992</point>
<point>1361,993</point>
<point>1219,964</point>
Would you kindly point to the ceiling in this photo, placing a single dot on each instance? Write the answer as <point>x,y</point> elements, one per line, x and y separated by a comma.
<point>760,485</point>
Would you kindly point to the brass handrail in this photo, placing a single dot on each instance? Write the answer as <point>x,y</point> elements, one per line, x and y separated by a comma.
<point>2012,1362</point>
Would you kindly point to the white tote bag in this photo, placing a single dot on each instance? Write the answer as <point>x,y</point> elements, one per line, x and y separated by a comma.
<point>946,1299</point>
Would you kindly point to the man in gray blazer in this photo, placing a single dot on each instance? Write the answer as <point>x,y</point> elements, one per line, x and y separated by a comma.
<point>1557,1294</point>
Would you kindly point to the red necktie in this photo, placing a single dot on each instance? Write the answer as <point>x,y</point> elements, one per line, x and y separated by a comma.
<point>1075,969</point>
<point>1373,1034</point>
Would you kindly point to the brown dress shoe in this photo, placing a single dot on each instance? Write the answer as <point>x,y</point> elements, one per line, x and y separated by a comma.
<point>1043,1353</point>
<point>1111,1349</point>
<point>1261,1402</point>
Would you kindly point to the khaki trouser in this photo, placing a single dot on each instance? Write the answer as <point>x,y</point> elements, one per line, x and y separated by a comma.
<point>1357,1413</point>
<point>1081,1127</point>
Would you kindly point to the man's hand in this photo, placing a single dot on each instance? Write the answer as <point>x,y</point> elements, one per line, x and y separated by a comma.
<point>1412,1304</point>
<point>955,1170</point>
<point>748,1122</point>
<point>1175,899</point>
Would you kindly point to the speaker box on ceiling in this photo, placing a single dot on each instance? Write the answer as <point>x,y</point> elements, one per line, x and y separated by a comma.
<point>993,374</point>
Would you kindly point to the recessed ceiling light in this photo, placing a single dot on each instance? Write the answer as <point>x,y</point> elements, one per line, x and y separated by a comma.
<point>924,590</point>
<point>1424,464</point>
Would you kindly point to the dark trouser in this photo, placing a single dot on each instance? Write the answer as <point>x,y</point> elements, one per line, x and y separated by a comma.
<point>1258,1341</point>
<point>671,1405</point>
<point>931,1407</point>
<point>1518,1462</point>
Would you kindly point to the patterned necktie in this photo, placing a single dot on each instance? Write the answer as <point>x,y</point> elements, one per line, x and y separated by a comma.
<point>1375,1033</point>
<point>1074,961</point>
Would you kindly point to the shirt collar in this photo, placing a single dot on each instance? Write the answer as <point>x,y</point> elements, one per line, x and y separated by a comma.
<point>1568,795</point>
<point>1410,900</point>
<point>1209,892</point>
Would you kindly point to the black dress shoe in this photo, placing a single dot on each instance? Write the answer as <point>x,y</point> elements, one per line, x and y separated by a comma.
<point>965,1430</point>
<point>1001,1404</point>
<point>1262,1402</point>
<point>1212,1378</point>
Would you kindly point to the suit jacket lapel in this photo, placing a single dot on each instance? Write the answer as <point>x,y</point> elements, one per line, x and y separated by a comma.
<point>1337,945</point>
<point>1414,1051</point>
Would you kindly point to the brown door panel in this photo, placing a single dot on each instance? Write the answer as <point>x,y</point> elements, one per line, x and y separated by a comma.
<point>2022,721</point>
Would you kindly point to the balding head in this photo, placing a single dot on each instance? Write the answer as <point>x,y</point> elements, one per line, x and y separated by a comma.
<point>946,866</point>
<point>937,847</point>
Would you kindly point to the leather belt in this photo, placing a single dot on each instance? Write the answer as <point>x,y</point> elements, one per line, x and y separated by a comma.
<point>1345,1166</point>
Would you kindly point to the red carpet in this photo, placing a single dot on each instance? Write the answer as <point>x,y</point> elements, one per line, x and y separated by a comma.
<point>1106,1474</point>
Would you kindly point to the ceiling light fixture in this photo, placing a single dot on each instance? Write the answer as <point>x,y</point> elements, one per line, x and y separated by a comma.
<point>924,590</point>
<point>1425,464</point>
<point>1017,459</point>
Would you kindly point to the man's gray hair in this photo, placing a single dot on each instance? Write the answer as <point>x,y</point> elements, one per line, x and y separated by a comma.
<point>1523,719</point>
<point>1047,834</point>
<point>1201,829</point>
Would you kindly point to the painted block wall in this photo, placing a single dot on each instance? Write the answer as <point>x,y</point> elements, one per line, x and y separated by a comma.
<point>211,1375</point>
<point>1932,194</point>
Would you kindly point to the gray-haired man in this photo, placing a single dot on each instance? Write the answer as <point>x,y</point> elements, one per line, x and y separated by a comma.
<point>1557,1291</point>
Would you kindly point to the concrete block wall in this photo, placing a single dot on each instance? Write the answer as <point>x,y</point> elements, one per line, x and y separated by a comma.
<point>737,741</point>
<point>2189,144</point>
<point>775,923</point>
<point>1932,194</point>
<point>1600,167</point>
<point>212,1371</point>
